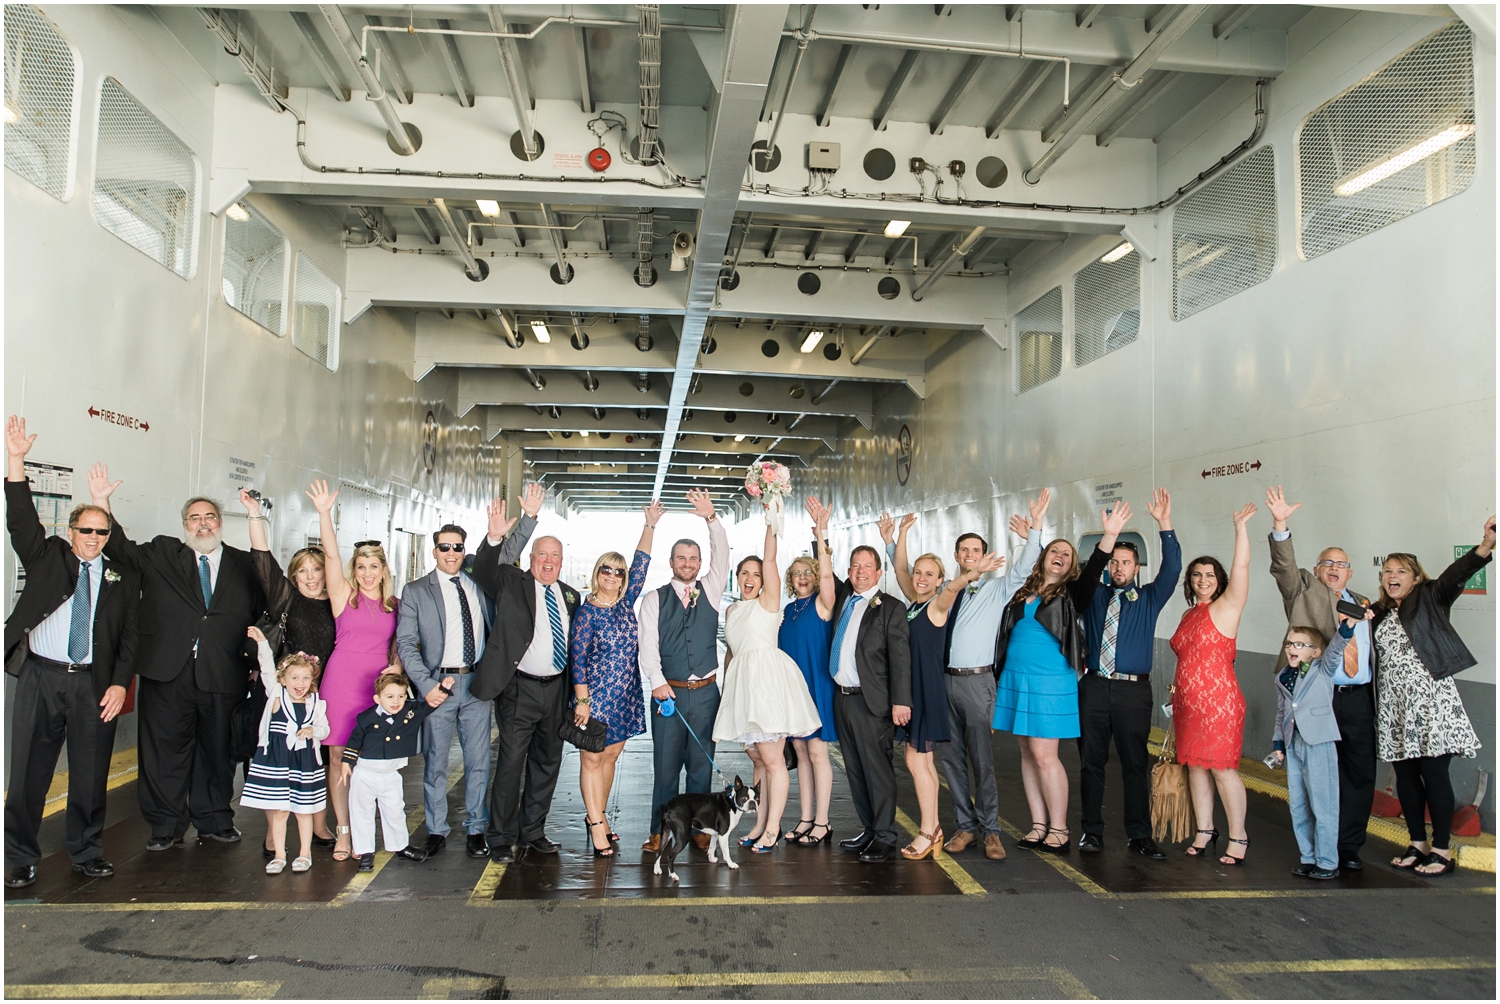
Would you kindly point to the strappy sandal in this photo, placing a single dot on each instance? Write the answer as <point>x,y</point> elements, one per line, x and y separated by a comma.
<point>1061,848</point>
<point>1031,843</point>
<point>795,836</point>
<point>1446,865</point>
<point>1230,860</point>
<point>1417,858</point>
<point>340,831</point>
<point>934,846</point>
<point>1194,851</point>
<point>808,840</point>
<point>608,850</point>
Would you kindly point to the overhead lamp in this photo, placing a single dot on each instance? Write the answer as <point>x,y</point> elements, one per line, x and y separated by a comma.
<point>1118,253</point>
<point>740,438</point>
<point>488,207</point>
<point>584,433</point>
<point>811,341</point>
<point>238,213</point>
<point>1406,158</point>
<point>11,115</point>
<point>539,328</point>
<point>896,228</point>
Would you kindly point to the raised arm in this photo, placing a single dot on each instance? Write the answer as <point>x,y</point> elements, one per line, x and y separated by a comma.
<point>1226,610</point>
<point>1161,587</point>
<point>515,535</point>
<point>718,546</point>
<point>827,589</point>
<point>937,610</point>
<point>901,564</point>
<point>257,520</point>
<point>26,533</point>
<point>1291,581</point>
<point>333,564</point>
<point>266,660</point>
<point>119,547</point>
<point>1450,584</point>
<point>1029,530</point>
<point>770,579</point>
<point>653,513</point>
<point>1113,521</point>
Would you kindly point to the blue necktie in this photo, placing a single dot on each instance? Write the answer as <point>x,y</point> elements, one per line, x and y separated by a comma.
<point>840,631</point>
<point>463,609</point>
<point>559,642</point>
<point>78,626</point>
<point>205,580</point>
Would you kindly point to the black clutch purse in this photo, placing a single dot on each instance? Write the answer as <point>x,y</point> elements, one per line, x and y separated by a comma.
<point>590,737</point>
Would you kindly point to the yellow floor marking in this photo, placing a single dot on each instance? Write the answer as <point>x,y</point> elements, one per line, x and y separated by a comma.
<point>445,988</point>
<point>965,882</point>
<point>1072,874</point>
<point>122,770</point>
<point>1226,975</point>
<point>243,990</point>
<point>484,889</point>
<point>1060,978</point>
<point>1293,893</point>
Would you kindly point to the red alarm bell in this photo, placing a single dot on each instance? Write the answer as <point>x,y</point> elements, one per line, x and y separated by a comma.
<point>599,158</point>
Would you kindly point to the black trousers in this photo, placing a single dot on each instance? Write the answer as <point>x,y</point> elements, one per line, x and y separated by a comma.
<point>1424,788</point>
<point>529,713</point>
<point>1118,710</point>
<point>1354,710</point>
<point>53,707</point>
<point>865,744</point>
<point>187,775</point>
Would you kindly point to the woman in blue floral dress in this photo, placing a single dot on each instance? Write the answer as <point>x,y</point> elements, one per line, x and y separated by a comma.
<point>604,653</point>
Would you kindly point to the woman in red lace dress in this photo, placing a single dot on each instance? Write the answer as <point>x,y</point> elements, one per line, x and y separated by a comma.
<point>1208,710</point>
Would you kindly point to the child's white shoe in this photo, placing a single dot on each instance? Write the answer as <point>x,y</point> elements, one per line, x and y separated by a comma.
<point>276,866</point>
<point>302,864</point>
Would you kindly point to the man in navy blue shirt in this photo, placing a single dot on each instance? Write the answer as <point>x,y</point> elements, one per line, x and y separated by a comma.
<point>1114,696</point>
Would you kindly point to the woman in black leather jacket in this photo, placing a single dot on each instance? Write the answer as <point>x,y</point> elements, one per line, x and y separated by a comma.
<point>1421,723</point>
<point>1042,654</point>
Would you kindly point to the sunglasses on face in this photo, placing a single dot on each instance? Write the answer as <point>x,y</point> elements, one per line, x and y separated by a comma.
<point>1333,564</point>
<point>367,543</point>
<point>617,572</point>
<point>87,530</point>
<point>445,548</point>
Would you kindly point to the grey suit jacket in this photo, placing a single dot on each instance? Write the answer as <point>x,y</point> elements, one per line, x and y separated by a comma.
<point>1309,706</point>
<point>422,627</point>
<point>1306,599</point>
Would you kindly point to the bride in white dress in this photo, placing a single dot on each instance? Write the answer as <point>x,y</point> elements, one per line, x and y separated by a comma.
<point>765,697</point>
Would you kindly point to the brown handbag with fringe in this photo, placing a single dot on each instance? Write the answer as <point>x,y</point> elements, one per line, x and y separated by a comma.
<point>1171,807</point>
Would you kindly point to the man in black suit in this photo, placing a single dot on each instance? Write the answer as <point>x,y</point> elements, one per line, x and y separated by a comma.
<point>71,640</point>
<point>524,670</point>
<point>871,666</point>
<point>197,600</point>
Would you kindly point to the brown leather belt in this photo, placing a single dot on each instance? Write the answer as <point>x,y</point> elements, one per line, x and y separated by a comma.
<point>691,684</point>
<point>969,671</point>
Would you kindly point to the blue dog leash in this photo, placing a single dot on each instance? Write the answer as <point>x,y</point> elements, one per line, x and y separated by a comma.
<point>668,708</point>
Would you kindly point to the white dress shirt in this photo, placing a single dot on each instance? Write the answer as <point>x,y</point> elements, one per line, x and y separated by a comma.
<point>49,639</point>
<point>848,669</point>
<point>453,620</point>
<point>648,617</point>
<point>538,658</point>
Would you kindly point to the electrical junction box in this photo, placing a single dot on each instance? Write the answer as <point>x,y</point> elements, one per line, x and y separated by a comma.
<point>822,156</point>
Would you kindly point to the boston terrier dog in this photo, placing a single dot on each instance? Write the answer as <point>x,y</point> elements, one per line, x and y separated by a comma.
<point>716,814</point>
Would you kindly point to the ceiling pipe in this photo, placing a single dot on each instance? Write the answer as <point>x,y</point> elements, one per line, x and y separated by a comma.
<point>475,269</point>
<point>959,250</point>
<point>401,141</point>
<point>803,38</point>
<point>648,32</point>
<point>820,395</point>
<point>564,271</point>
<point>229,37</point>
<point>511,338</point>
<point>510,59</point>
<point>645,244</point>
<point>864,349</point>
<point>535,379</point>
<point>643,340</point>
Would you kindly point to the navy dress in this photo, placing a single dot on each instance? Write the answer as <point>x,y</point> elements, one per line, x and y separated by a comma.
<point>806,637</point>
<point>605,653</point>
<point>929,694</point>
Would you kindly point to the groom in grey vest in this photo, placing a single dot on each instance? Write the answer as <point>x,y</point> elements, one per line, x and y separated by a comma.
<point>679,630</point>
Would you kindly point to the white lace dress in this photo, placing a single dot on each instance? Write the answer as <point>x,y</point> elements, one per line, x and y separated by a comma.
<point>765,694</point>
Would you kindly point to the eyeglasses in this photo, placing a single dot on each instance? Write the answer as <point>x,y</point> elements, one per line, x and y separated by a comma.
<point>87,530</point>
<point>445,548</point>
<point>369,543</point>
<point>1300,646</point>
<point>207,518</point>
<point>802,573</point>
<point>617,572</point>
<point>1333,564</point>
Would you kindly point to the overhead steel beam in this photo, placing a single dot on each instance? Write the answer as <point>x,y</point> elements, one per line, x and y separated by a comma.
<point>981,249</point>
<point>893,89</point>
<point>373,87</point>
<point>274,92</point>
<point>692,448</point>
<point>855,246</point>
<point>1233,20</point>
<point>388,62</point>
<point>623,421</point>
<point>1160,16</point>
<point>803,38</point>
<point>958,252</point>
<point>586,90</point>
<point>1067,116</point>
<point>750,43</point>
<point>318,53</point>
<point>1027,82</point>
<point>1154,92</point>
<point>516,235</point>
<point>1014,10</point>
<point>1128,78</point>
<point>550,221</point>
<point>515,81</point>
<point>454,63</point>
<point>955,94</point>
<point>836,83</point>
<point>472,267</point>
<point>941,248</point>
<point>771,242</point>
<point>1086,15</point>
<point>864,350</point>
<point>424,222</point>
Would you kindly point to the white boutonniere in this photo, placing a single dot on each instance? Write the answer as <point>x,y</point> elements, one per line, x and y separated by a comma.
<point>570,596</point>
<point>110,575</point>
<point>1132,595</point>
<point>875,600</point>
<point>973,588</point>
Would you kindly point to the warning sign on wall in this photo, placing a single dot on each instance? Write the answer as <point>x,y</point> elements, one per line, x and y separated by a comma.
<point>1477,583</point>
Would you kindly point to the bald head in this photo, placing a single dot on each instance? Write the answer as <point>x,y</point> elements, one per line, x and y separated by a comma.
<point>546,559</point>
<point>1333,568</point>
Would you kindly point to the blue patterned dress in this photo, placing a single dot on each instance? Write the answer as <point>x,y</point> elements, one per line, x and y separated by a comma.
<point>806,637</point>
<point>606,658</point>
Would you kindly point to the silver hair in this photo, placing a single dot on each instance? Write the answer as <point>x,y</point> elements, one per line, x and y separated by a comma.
<point>201,498</point>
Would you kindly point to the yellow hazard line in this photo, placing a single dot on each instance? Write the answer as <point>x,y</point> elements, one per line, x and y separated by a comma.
<point>241,990</point>
<point>1227,976</point>
<point>1063,980</point>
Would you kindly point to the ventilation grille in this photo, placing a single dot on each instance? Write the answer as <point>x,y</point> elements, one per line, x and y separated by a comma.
<point>255,260</point>
<point>1039,337</point>
<point>41,96</point>
<point>145,182</point>
<point>1106,307</point>
<point>1224,235</point>
<point>1399,141</point>
<point>315,324</point>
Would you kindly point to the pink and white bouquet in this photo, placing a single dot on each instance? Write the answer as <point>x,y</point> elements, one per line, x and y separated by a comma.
<point>770,482</point>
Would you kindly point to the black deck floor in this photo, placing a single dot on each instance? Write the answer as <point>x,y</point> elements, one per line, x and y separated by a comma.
<point>205,921</point>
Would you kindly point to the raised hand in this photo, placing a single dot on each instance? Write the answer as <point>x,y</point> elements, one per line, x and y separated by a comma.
<point>322,500</point>
<point>813,507</point>
<point>531,499</point>
<point>100,487</point>
<point>992,562</point>
<point>1488,543</point>
<point>1160,508</point>
<point>1116,518</point>
<point>1039,507</point>
<point>887,528</point>
<point>499,525</point>
<point>702,503</point>
<point>1242,516</point>
<point>1281,509</point>
<point>17,443</point>
<point>255,634</point>
<point>654,512</point>
<point>907,521</point>
<point>1020,526</point>
<point>250,502</point>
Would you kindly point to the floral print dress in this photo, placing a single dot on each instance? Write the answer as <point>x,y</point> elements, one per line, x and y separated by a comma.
<point>605,650</point>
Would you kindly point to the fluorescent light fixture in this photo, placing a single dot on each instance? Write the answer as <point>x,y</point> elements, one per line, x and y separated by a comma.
<point>896,228</point>
<point>238,213</point>
<point>539,328</point>
<point>11,115</point>
<point>740,438</point>
<point>1406,158</point>
<point>1118,253</point>
<point>488,207</point>
<point>584,433</point>
<point>811,341</point>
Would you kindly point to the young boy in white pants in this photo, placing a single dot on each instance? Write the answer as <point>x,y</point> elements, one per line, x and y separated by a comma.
<point>384,736</point>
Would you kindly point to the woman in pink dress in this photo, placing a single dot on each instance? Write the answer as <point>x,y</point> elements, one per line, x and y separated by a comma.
<point>364,612</point>
<point>1208,710</point>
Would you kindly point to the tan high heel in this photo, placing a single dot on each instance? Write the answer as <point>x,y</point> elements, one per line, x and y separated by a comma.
<point>934,846</point>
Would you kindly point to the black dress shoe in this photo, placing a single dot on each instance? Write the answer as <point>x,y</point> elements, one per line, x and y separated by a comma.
<point>163,843</point>
<point>877,851</point>
<point>475,847</point>
<point>229,836</point>
<point>20,877</point>
<point>367,862</point>
<point>95,868</point>
<point>435,843</point>
<point>1352,864</point>
<point>1303,870</point>
<point>542,845</point>
<point>1091,843</point>
<point>1323,874</point>
<point>856,843</point>
<point>1146,848</point>
<point>411,853</point>
<point>502,854</point>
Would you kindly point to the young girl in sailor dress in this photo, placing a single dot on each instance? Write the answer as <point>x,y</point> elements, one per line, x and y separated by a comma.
<point>286,775</point>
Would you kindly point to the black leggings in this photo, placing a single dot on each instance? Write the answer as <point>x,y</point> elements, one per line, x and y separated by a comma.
<point>1423,787</point>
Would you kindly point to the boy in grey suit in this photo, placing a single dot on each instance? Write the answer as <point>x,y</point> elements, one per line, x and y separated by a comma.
<point>1306,735</point>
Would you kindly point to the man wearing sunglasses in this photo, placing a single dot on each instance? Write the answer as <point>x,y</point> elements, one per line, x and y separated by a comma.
<point>71,642</point>
<point>445,620</point>
<point>1310,599</point>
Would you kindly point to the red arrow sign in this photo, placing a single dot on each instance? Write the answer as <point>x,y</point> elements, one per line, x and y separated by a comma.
<point>116,418</point>
<point>1229,470</point>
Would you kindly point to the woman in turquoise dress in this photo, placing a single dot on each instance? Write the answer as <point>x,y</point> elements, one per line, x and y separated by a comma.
<point>604,651</point>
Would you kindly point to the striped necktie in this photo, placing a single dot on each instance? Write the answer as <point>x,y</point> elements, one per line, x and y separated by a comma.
<point>78,624</point>
<point>840,631</point>
<point>1111,632</point>
<point>559,640</point>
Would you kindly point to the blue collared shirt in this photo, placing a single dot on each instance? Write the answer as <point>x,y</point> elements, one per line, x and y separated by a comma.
<point>49,639</point>
<point>1135,639</point>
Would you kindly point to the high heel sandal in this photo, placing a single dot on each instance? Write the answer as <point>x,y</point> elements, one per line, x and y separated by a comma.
<point>1061,848</point>
<point>588,829</point>
<point>1194,851</point>
<point>934,846</point>
<point>795,836</point>
<point>747,841</point>
<point>1229,859</point>
<point>759,848</point>
<point>808,840</point>
<point>1031,843</point>
<point>339,831</point>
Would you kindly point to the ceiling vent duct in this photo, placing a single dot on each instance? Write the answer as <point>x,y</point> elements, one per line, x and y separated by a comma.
<point>645,242</point>
<point>650,38</point>
<point>643,339</point>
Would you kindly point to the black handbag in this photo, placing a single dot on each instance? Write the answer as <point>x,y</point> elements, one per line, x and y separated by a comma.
<point>590,737</point>
<point>791,754</point>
